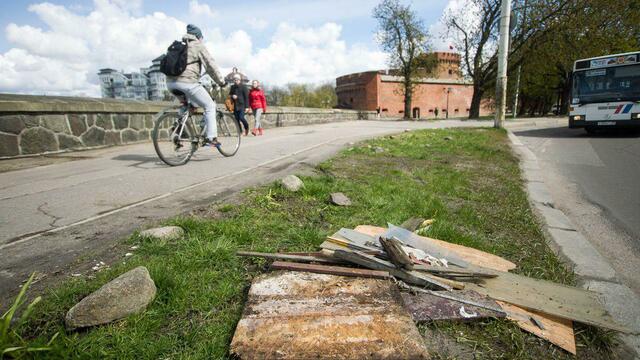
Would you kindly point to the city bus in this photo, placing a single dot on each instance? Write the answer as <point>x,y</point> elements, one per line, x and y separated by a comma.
<point>606,92</point>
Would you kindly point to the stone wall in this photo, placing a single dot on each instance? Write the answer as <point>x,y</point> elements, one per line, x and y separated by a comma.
<point>31,125</point>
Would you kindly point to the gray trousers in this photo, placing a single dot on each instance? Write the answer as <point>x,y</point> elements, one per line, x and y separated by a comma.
<point>257,113</point>
<point>199,96</point>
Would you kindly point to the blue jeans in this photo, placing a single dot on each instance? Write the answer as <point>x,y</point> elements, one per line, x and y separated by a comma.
<point>199,96</point>
<point>239,114</point>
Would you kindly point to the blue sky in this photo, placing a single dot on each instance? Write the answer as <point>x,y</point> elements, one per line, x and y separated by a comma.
<point>242,34</point>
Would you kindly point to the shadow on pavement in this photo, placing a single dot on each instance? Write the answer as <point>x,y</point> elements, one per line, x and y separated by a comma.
<point>563,132</point>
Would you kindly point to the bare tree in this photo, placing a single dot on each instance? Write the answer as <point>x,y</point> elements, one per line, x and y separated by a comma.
<point>404,37</point>
<point>475,30</point>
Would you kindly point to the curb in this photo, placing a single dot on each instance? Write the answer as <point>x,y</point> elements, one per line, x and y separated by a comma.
<point>593,271</point>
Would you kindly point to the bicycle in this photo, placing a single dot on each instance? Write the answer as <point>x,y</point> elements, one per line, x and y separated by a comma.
<point>177,135</point>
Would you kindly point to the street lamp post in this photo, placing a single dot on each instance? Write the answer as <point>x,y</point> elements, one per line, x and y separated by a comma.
<point>448,90</point>
<point>503,55</point>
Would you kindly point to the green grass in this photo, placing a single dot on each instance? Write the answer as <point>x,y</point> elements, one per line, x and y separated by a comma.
<point>467,180</point>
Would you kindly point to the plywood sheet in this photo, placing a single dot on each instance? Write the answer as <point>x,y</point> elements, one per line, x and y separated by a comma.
<point>563,301</point>
<point>300,315</point>
<point>471,255</point>
<point>427,307</point>
<point>556,330</point>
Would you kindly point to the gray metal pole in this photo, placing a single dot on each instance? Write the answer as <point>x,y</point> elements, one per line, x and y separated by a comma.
<point>503,55</point>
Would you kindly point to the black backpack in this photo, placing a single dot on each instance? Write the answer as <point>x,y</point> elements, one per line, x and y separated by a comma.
<point>175,61</point>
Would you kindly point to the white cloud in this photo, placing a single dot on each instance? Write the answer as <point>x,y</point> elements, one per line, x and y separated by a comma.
<point>257,23</point>
<point>64,56</point>
<point>201,10</point>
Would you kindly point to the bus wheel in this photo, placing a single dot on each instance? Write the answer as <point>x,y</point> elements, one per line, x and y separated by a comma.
<point>590,130</point>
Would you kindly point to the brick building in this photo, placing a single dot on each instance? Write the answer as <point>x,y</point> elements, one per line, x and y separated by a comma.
<point>447,92</point>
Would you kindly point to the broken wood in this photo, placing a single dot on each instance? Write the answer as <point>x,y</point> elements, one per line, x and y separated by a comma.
<point>556,330</point>
<point>428,307</point>
<point>471,255</point>
<point>371,262</point>
<point>398,257</point>
<point>333,270</point>
<point>453,272</point>
<point>291,257</point>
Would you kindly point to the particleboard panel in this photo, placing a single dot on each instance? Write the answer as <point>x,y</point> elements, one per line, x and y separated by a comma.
<point>556,330</point>
<point>548,297</point>
<point>471,255</point>
<point>300,315</point>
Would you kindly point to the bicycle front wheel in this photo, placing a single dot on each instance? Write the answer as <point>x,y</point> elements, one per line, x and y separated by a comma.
<point>228,134</point>
<point>174,141</point>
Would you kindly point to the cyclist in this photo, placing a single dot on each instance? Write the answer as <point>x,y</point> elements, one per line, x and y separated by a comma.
<point>188,81</point>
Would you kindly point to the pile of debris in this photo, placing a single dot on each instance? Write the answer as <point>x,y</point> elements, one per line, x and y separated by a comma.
<point>373,279</point>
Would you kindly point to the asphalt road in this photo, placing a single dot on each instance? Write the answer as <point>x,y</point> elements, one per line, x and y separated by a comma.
<point>595,180</point>
<point>78,205</point>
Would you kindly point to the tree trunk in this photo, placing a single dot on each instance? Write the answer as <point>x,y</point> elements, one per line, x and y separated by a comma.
<point>408,95</point>
<point>476,99</point>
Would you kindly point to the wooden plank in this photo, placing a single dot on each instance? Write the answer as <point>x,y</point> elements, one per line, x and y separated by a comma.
<point>556,330</point>
<point>301,315</point>
<point>453,272</point>
<point>428,307</point>
<point>333,270</point>
<point>563,301</point>
<point>412,224</point>
<point>279,256</point>
<point>471,255</point>
<point>371,262</point>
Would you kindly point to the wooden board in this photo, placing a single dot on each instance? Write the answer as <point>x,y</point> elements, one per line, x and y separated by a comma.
<point>543,296</point>
<point>333,270</point>
<point>563,301</point>
<point>427,307</point>
<point>411,277</point>
<point>292,257</point>
<point>556,330</point>
<point>301,315</point>
<point>473,256</point>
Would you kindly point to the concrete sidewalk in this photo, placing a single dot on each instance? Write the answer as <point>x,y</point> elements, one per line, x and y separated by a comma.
<point>593,270</point>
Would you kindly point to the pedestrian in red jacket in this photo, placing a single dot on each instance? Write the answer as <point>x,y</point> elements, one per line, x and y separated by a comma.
<point>258,103</point>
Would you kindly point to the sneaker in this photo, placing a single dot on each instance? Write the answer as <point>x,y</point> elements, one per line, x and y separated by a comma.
<point>211,143</point>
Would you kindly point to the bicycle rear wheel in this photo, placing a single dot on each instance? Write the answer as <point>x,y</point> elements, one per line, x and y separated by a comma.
<point>228,134</point>
<point>174,142</point>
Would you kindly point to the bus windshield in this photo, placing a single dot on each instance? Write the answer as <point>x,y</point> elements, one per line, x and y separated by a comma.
<point>621,83</point>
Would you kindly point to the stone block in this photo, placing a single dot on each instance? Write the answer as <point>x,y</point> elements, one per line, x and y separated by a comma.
<point>93,137</point>
<point>77,124</point>
<point>55,123</point>
<point>121,121</point>
<point>136,122</point>
<point>91,120</point>
<point>586,260</point>
<point>104,121</point>
<point>143,135</point>
<point>148,121</point>
<point>112,138</point>
<point>68,142</point>
<point>9,145</point>
<point>11,124</point>
<point>31,121</point>
<point>38,140</point>
<point>129,135</point>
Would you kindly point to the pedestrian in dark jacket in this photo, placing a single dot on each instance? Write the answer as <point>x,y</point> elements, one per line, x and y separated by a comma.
<point>240,96</point>
<point>258,104</point>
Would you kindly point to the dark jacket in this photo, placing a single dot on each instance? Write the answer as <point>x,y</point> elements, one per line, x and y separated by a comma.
<point>242,102</point>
